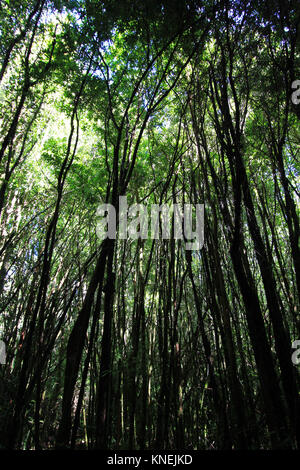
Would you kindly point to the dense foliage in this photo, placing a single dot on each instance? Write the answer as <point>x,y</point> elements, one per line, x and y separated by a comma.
<point>142,344</point>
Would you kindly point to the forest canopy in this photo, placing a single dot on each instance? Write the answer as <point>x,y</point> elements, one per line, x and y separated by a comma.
<point>122,343</point>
